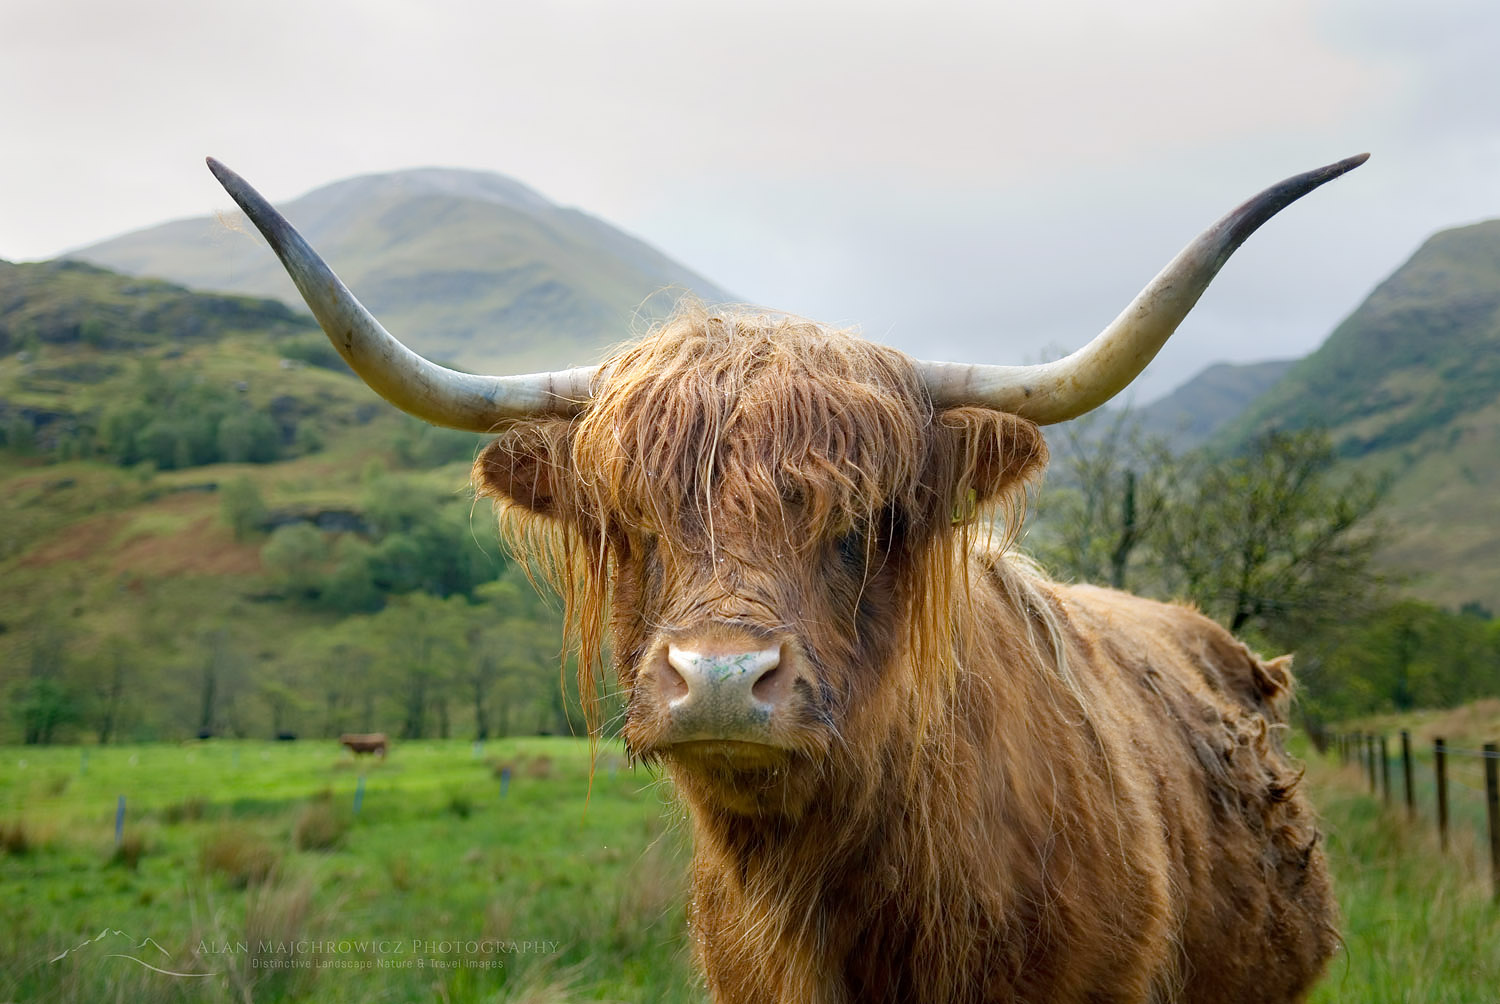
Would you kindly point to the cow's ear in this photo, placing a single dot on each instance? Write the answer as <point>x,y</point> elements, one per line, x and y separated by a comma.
<point>983,454</point>
<point>527,465</point>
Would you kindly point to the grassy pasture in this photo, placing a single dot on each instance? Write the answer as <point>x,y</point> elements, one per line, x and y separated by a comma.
<point>1419,925</point>
<point>238,854</point>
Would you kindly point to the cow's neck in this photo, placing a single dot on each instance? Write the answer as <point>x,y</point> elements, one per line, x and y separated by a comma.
<point>894,842</point>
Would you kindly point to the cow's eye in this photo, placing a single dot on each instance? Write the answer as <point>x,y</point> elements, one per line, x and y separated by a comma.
<point>853,548</point>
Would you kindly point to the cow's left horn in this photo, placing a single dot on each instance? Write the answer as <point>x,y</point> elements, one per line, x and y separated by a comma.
<point>1057,391</point>
<point>413,384</point>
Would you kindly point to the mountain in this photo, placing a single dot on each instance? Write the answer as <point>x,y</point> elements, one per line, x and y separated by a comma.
<point>465,266</point>
<point>1408,386</point>
<point>1190,415</point>
<point>197,498</point>
<point>69,302</point>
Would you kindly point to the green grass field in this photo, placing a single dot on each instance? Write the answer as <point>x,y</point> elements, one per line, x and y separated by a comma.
<point>239,857</point>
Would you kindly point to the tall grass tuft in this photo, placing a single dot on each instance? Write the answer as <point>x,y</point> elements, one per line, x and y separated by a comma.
<point>193,808</point>
<point>279,915</point>
<point>129,851</point>
<point>461,804</point>
<point>649,898</point>
<point>240,855</point>
<point>320,826</point>
<point>14,839</point>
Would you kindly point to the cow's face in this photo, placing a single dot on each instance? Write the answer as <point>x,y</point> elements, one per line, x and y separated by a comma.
<point>770,510</point>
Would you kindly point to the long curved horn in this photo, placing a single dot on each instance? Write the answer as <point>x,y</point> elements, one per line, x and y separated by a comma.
<point>1057,391</point>
<point>431,392</point>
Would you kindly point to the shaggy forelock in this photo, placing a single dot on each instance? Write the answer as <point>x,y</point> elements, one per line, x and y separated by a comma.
<point>743,423</point>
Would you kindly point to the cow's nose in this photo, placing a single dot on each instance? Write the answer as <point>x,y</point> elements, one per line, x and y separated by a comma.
<point>721,695</point>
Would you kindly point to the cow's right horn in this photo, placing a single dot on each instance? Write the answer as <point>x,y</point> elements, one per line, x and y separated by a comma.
<point>431,392</point>
<point>1057,391</point>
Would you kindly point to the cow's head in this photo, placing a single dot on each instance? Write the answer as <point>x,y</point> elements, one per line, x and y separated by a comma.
<point>764,513</point>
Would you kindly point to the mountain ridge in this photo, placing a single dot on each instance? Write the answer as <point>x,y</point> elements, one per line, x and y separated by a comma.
<point>1408,388</point>
<point>465,265</point>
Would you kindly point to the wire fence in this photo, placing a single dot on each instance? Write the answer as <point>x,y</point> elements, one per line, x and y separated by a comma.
<point>1433,777</point>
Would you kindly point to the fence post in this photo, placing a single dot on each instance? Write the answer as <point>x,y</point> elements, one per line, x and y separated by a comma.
<point>1411,798</point>
<point>119,820</point>
<point>1370,760</point>
<point>1492,811</point>
<point>1440,762</point>
<point>1385,771</point>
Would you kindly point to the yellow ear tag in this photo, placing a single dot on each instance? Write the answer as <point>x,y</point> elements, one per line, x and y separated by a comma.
<point>967,509</point>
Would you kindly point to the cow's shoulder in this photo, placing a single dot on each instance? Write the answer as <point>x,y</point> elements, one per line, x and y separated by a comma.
<point>1147,636</point>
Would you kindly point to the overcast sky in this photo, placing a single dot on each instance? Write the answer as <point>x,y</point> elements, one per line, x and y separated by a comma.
<point>980,180</point>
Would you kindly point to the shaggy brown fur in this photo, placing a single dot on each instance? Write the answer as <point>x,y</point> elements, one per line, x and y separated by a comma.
<point>995,787</point>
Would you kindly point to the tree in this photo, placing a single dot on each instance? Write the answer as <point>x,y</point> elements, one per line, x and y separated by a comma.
<point>1272,540</point>
<point>243,508</point>
<point>416,646</point>
<point>249,436</point>
<point>1276,543</point>
<point>1405,655</point>
<point>43,703</point>
<point>294,558</point>
<point>112,673</point>
<point>43,706</point>
<point>1114,493</point>
<point>221,673</point>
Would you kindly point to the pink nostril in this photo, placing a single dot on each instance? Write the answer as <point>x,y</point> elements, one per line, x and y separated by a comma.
<point>768,687</point>
<point>670,682</point>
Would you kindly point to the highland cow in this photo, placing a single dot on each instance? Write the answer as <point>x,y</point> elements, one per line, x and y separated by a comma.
<point>916,768</point>
<point>365,742</point>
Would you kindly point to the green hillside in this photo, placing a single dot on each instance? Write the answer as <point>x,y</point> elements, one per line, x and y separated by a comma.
<point>206,522</point>
<point>1191,414</point>
<point>466,266</point>
<point>1409,386</point>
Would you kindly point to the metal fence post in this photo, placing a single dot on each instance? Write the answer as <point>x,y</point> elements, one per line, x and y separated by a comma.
<point>1385,771</point>
<point>1492,811</point>
<point>1370,760</point>
<point>1440,762</point>
<point>1411,798</point>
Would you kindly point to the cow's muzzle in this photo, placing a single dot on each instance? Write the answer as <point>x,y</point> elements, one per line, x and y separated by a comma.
<point>715,692</point>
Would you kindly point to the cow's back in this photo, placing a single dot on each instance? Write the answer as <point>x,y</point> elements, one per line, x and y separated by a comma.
<point>1255,912</point>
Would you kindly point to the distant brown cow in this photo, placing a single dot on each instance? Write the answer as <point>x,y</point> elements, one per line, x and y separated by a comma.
<point>365,742</point>
<point>917,769</point>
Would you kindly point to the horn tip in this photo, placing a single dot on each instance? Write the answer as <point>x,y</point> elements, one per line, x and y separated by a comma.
<point>225,176</point>
<point>1350,163</point>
